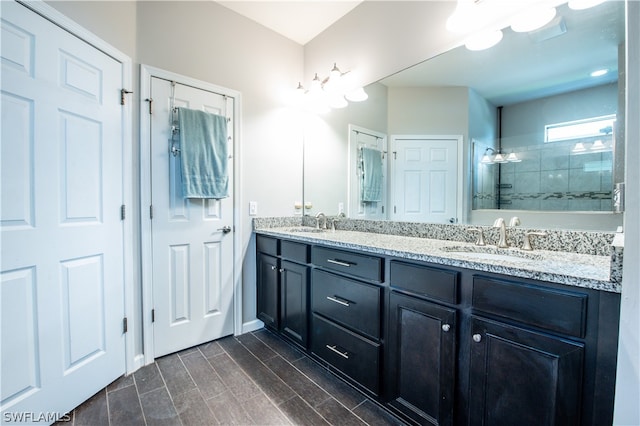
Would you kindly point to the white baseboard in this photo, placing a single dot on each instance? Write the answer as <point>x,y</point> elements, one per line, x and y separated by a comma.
<point>250,326</point>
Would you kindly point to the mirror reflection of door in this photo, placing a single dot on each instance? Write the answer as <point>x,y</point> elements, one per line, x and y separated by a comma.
<point>360,138</point>
<point>424,178</point>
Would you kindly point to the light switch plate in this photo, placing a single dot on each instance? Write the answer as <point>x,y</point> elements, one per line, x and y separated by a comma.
<point>253,208</point>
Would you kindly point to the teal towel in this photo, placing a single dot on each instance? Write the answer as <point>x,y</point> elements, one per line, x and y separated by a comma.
<point>203,151</point>
<point>372,178</point>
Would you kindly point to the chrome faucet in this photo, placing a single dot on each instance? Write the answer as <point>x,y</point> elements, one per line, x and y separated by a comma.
<point>499,223</point>
<point>322,216</point>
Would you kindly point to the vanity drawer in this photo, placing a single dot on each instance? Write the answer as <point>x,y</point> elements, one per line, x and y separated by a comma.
<point>267,245</point>
<point>349,302</point>
<point>358,265</point>
<point>298,252</point>
<point>434,283</point>
<point>551,309</point>
<point>353,355</point>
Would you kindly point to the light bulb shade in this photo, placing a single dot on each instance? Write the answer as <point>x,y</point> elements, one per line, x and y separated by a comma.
<point>584,4</point>
<point>357,95</point>
<point>483,40</point>
<point>499,158</point>
<point>337,101</point>
<point>533,18</point>
<point>513,158</point>
<point>316,85</point>
<point>486,159</point>
<point>578,147</point>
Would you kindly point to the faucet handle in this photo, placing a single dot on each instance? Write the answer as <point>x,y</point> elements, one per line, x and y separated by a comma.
<point>526,243</point>
<point>498,222</point>
<point>480,241</point>
<point>515,221</point>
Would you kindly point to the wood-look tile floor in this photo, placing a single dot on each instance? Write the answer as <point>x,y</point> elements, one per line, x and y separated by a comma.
<point>253,379</point>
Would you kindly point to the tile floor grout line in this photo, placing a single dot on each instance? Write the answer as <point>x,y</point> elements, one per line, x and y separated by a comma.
<point>135,384</point>
<point>164,383</point>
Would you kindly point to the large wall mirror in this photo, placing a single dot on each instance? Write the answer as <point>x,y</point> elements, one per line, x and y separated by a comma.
<point>537,133</point>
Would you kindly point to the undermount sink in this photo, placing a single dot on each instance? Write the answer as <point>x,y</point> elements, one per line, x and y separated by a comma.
<point>492,253</point>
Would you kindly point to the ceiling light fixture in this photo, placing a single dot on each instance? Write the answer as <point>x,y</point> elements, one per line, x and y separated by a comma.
<point>331,92</point>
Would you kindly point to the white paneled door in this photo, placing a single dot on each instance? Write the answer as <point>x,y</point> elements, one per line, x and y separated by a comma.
<point>192,239</point>
<point>62,274</point>
<point>425,179</point>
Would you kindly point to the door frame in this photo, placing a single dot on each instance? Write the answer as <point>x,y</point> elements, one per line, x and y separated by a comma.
<point>146,246</point>
<point>460,212</point>
<point>133,361</point>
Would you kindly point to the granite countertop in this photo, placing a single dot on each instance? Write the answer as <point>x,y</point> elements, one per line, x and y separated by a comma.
<point>581,270</point>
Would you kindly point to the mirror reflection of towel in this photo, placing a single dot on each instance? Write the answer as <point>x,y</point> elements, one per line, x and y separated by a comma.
<point>203,151</point>
<point>372,178</point>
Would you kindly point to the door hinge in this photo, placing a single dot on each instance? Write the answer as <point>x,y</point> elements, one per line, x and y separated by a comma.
<point>382,209</point>
<point>394,155</point>
<point>150,101</point>
<point>151,211</point>
<point>153,315</point>
<point>394,209</point>
<point>123,212</point>
<point>124,325</point>
<point>122,93</point>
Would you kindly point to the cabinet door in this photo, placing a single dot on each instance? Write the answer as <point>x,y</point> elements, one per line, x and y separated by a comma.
<point>268,290</point>
<point>523,377</point>
<point>421,351</point>
<point>294,301</point>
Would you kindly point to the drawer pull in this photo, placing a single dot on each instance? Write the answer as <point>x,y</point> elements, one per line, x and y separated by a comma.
<point>338,301</point>
<point>340,262</point>
<point>344,355</point>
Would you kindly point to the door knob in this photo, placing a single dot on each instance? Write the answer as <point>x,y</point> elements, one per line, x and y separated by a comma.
<point>225,229</point>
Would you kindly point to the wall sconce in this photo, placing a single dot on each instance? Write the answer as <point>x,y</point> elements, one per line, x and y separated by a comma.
<point>331,92</point>
<point>486,158</point>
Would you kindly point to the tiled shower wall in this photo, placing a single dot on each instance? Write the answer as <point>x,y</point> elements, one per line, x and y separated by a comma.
<point>551,177</point>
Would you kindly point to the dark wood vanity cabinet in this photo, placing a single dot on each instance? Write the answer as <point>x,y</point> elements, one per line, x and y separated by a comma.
<point>283,286</point>
<point>346,305</point>
<point>268,290</point>
<point>421,359</point>
<point>439,345</point>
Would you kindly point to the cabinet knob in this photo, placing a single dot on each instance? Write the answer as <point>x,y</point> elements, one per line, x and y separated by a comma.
<point>446,327</point>
<point>477,338</point>
<point>273,268</point>
<point>281,269</point>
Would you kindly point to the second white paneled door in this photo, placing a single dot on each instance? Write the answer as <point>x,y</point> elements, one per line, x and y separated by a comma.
<point>425,178</point>
<point>62,279</point>
<point>192,247</point>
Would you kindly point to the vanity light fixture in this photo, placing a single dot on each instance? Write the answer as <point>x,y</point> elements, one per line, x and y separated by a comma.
<point>598,145</point>
<point>331,92</point>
